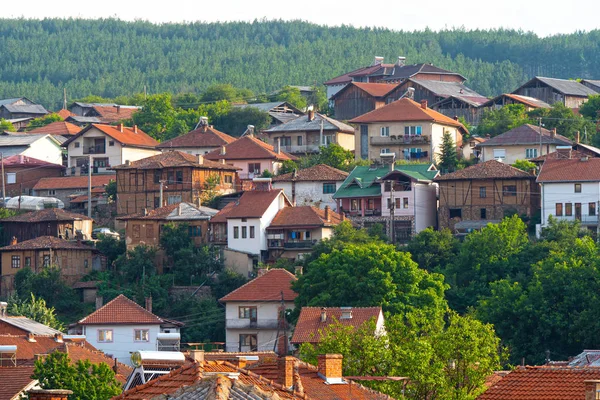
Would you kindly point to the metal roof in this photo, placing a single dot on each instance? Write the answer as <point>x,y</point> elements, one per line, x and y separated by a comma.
<point>266,107</point>
<point>526,134</point>
<point>30,325</point>
<point>564,86</point>
<point>22,139</point>
<point>12,100</point>
<point>301,124</point>
<point>448,88</point>
<point>86,120</point>
<point>25,108</point>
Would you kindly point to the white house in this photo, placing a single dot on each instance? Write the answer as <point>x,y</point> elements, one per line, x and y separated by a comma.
<point>570,190</point>
<point>121,327</point>
<point>108,146</point>
<point>313,186</point>
<point>255,313</point>
<point>202,140</point>
<point>42,147</point>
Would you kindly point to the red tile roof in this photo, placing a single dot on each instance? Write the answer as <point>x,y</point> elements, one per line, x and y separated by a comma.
<point>254,204</point>
<point>221,216</point>
<point>543,383</point>
<point>249,148</point>
<point>570,170</point>
<point>405,110</point>
<point>364,71</point>
<point>304,216</point>
<point>21,161</point>
<point>14,380</point>
<point>171,159</point>
<point>487,170</point>
<point>319,172</point>
<point>47,215</point>
<point>267,287</point>
<point>64,114</point>
<point>309,325</point>
<point>202,137</point>
<point>112,114</point>
<point>374,89</point>
<point>133,137</point>
<point>73,182</point>
<point>121,310</point>
<point>78,352</point>
<point>47,242</point>
<point>57,128</point>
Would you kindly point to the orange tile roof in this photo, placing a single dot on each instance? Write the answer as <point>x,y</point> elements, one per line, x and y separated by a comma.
<point>73,182</point>
<point>543,383</point>
<point>112,114</point>
<point>47,242</point>
<point>375,89</point>
<point>171,159</point>
<point>27,350</point>
<point>202,137</point>
<point>64,114</point>
<point>248,148</point>
<point>309,325</point>
<point>57,128</point>
<point>77,352</point>
<point>129,136</point>
<point>14,380</point>
<point>583,169</point>
<point>121,310</point>
<point>267,287</point>
<point>221,216</point>
<point>305,216</point>
<point>405,110</point>
<point>487,170</point>
<point>254,204</point>
<point>319,172</point>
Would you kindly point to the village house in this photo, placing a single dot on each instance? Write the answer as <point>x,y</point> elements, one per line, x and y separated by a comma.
<point>42,147</point>
<point>252,156</point>
<point>202,140</point>
<point>121,326</point>
<point>504,99</point>
<point>255,313</point>
<point>307,133</point>
<point>592,84</point>
<point>315,320</point>
<point>358,98</point>
<point>296,230</point>
<point>570,190</point>
<point>169,178</point>
<point>407,129</point>
<point>571,94</point>
<point>366,197</point>
<point>100,113</point>
<point>469,148</point>
<point>74,259</point>
<point>21,173</point>
<point>67,188</point>
<point>57,128</point>
<point>49,222</point>
<point>312,186</point>
<point>20,107</point>
<point>79,204</point>
<point>486,192</point>
<point>107,146</point>
<point>280,111</point>
<point>521,143</point>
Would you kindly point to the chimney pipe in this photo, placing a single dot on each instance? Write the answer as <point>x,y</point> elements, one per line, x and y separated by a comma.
<point>378,60</point>
<point>149,298</point>
<point>120,127</point>
<point>553,133</point>
<point>197,355</point>
<point>200,159</point>
<point>323,314</point>
<point>223,150</point>
<point>401,61</point>
<point>311,115</point>
<point>424,104</point>
<point>278,145</point>
<point>135,129</point>
<point>577,138</point>
<point>327,214</point>
<point>13,240</point>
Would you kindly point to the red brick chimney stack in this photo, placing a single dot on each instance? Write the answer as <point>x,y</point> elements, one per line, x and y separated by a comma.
<point>13,240</point>
<point>424,104</point>
<point>285,371</point>
<point>149,304</point>
<point>330,367</point>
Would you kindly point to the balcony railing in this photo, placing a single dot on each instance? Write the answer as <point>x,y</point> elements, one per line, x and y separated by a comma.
<point>298,244</point>
<point>98,149</point>
<point>585,219</point>
<point>312,148</point>
<point>399,140</point>
<point>236,323</point>
<point>358,213</point>
<point>83,170</point>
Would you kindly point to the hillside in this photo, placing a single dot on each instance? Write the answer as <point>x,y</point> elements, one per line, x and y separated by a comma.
<point>111,57</point>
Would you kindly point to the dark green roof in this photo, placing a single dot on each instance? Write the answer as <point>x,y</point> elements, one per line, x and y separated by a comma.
<point>363,181</point>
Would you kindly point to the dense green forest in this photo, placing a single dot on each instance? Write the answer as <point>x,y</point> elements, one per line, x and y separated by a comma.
<point>109,57</point>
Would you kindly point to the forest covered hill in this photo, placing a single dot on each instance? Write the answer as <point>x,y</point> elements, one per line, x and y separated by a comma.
<point>110,57</point>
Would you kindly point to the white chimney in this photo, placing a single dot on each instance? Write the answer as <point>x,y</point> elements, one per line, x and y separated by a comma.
<point>346,313</point>
<point>401,61</point>
<point>323,314</point>
<point>378,60</point>
<point>3,307</point>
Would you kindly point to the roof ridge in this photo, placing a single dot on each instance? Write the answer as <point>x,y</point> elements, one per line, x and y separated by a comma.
<point>255,279</point>
<point>121,297</point>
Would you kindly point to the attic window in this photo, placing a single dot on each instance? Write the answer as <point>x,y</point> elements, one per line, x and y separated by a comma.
<point>77,144</point>
<point>111,142</point>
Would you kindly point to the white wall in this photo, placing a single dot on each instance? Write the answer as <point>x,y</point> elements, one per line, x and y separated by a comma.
<point>248,245</point>
<point>44,149</point>
<point>191,150</point>
<point>553,193</point>
<point>310,193</point>
<point>136,153</point>
<point>422,204</point>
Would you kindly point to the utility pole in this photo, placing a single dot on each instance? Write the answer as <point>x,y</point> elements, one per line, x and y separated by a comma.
<point>161,193</point>
<point>64,98</point>
<point>392,212</point>
<point>145,93</point>
<point>89,202</point>
<point>321,134</point>
<point>3,185</point>
<point>540,129</point>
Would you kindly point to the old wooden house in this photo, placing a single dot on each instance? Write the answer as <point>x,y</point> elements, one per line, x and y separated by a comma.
<point>358,98</point>
<point>169,178</point>
<point>23,172</point>
<point>20,107</point>
<point>551,90</point>
<point>472,197</point>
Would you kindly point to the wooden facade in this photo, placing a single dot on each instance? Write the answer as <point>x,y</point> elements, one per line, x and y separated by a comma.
<point>353,101</point>
<point>429,77</point>
<point>31,230</point>
<point>147,231</point>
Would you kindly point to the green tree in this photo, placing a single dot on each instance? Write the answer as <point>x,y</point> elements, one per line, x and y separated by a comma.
<point>448,157</point>
<point>6,126</point>
<point>35,309</point>
<point>237,119</point>
<point>563,119</point>
<point>335,156</point>
<point>87,381</point>
<point>111,190</point>
<point>112,248</point>
<point>156,116</point>
<point>590,108</point>
<point>525,165</point>
<point>209,191</point>
<point>293,96</point>
<point>137,264</point>
<point>287,166</point>
<point>318,98</point>
<point>43,121</point>
<point>495,122</point>
<point>433,250</point>
<point>226,91</point>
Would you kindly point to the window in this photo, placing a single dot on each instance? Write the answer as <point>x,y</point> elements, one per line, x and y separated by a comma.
<point>111,142</point>
<point>141,335</point>
<point>384,131</point>
<point>51,192</point>
<point>195,231</point>
<point>228,179</point>
<point>568,209</point>
<point>559,210</point>
<point>482,192</point>
<point>136,231</point>
<point>149,231</point>
<point>85,263</point>
<point>101,162</point>
<point>28,261</point>
<point>329,187</point>
<point>157,202</point>
<point>510,190</point>
<point>254,168</point>
<point>355,205</point>
<point>405,202</point>
<point>174,199</point>
<point>385,151</point>
<point>578,188</point>
<point>244,232</point>
<point>370,204</point>
<point>77,144</point>
<point>11,177</point>
<point>531,153</point>
<point>248,342</point>
<point>157,176</point>
<point>105,335</point>
<point>299,140</point>
<point>251,232</point>
<point>499,154</point>
<point>247,313</point>
<point>398,205</point>
<point>15,262</point>
<point>455,212</point>
<point>413,130</point>
<point>132,179</point>
<point>179,176</point>
<point>236,232</point>
<point>170,177</point>
<point>592,209</point>
<point>46,261</point>
<point>483,213</point>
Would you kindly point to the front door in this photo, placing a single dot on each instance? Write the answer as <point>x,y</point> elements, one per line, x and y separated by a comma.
<point>578,211</point>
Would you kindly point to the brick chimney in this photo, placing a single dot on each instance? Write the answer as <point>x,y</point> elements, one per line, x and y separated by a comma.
<point>135,129</point>
<point>49,394</point>
<point>223,150</point>
<point>327,214</point>
<point>323,314</point>
<point>311,115</point>
<point>330,367</point>
<point>424,104</point>
<point>285,371</point>
<point>200,159</point>
<point>99,302</point>
<point>118,109</point>
<point>149,304</point>
<point>13,240</point>
<point>553,133</point>
<point>592,387</point>
<point>120,127</point>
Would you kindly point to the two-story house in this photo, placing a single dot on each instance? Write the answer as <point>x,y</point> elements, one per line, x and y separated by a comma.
<point>21,173</point>
<point>358,98</point>
<point>485,192</point>
<point>202,140</point>
<point>20,107</point>
<point>307,133</point>
<point>295,230</point>
<point>67,188</point>
<point>312,186</point>
<point>409,130</point>
<point>521,143</point>
<point>107,146</point>
<point>169,178</point>
<point>570,190</point>
<point>255,313</point>
<point>42,147</point>
<point>366,196</point>
<point>571,93</point>
<point>121,327</point>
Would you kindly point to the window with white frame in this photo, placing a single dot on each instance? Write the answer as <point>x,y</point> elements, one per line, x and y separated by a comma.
<point>141,335</point>
<point>11,177</point>
<point>499,154</point>
<point>174,199</point>
<point>531,153</point>
<point>413,130</point>
<point>385,150</point>
<point>384,131</point>
<point>105,335</point>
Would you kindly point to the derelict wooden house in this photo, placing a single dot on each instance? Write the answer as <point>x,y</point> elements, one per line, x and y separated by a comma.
<point>183,176</point>
<point>551,90</point>
<point>358,98</point>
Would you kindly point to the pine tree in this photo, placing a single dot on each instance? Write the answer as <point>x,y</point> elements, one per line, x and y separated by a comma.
<point>448,157</point>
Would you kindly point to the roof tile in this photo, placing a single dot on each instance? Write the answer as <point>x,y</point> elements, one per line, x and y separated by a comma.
<point>113,113</point>
<point>172,159</point>
<point>121,310</point>
<point>14,380</point>
<point>206,136</point>
<point>47,242</point>
<point>570,170</point>
<point>253,204</point>
<point>47,215</point>
<point>57,128</point>
<point>304,216</point>
<point>526,134</point>
<point>487,170</point>
<point>319,172</point>
<point>73,182</point>
<point>248,148</point>
<point>21,161</point>
<point>267,287</point>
